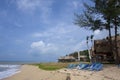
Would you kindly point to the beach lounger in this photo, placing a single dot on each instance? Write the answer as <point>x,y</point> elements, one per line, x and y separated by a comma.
<point>99,67</point>
<point>96,66</point>
<point>82,66</point>
<point>88,67</point>
<point>71,66</point>
<point>78,66</point>
<point>91,67</point>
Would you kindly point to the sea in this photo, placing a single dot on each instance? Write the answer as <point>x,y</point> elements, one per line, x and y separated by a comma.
<point>8,68</point>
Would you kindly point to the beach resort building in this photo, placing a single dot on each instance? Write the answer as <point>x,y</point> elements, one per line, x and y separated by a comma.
<point>72,58</point>
<point>66,59</point>
<point>101,51</point>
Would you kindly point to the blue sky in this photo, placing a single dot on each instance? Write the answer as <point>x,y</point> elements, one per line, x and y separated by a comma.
<point>41,30</point>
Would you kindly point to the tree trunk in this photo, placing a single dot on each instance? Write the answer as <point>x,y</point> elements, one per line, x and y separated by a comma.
<point>110,39</point>
<point>116,48</point>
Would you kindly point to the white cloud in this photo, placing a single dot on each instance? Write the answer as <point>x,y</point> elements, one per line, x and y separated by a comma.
<point>96,32</point>
<point>100,34</point>
<point>42,47</point>
<point>41,6</point>
<point>39,44</point>
<point>80,46</point>
<point>69,38</point>
<point>37,34</point>
<point>103,34</point>
<point>27,5</point>
<point>66,37</point>
<point>63,38</point>
<point>58,31</point>
<point>77,4</point>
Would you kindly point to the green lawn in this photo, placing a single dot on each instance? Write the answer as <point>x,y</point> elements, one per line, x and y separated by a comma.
<point>53,66</point>
<point>56,66</point>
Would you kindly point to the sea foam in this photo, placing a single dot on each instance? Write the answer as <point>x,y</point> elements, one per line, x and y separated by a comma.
<point>8,70</point>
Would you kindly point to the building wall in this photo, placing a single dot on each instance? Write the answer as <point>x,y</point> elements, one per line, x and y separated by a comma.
<point>66,60</point>
<point>102,48</point>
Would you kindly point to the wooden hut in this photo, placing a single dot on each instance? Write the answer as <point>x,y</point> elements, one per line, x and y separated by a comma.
<point>101,50</point>
<point>66,59</point>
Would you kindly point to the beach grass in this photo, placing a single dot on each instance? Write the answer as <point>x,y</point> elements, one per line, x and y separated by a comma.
<point>53,66</point>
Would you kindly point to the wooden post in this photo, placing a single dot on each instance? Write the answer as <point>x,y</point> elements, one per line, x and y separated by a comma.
<point>78,56</point>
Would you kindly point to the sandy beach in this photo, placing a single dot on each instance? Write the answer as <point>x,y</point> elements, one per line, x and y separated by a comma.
<point>30,72</point>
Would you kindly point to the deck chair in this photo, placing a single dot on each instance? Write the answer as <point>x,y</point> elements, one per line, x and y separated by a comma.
<point>83,66</point>
<point>99,67</point>
<point>71,66</point>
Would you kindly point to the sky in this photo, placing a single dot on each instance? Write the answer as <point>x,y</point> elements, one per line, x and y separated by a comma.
<point>41,30</point>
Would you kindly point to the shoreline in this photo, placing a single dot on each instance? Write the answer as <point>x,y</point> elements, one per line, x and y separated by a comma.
<point>31,72</point>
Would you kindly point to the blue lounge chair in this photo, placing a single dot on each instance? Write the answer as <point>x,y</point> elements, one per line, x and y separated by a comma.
<point>88,67</point>
<point>71,66</point>
<point>82,66</point>
<point>91,67</point>
<point>97,66</point>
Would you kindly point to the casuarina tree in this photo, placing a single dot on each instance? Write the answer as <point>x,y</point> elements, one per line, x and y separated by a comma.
<point>104,14</point>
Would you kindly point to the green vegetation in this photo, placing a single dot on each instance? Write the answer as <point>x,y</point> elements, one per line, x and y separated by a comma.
<point>84,53</point>
<point>53,66</point>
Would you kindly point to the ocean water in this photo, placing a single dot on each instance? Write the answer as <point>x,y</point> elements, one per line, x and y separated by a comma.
<point>7,70</point>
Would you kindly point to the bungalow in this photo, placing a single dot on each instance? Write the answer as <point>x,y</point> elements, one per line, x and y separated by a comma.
<point>66,59</point>
<point>72,59</point>
<point>101,50</point>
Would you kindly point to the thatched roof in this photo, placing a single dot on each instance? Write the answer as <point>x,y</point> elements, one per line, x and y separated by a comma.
<point>103,45</point>
<point>102,49</point>
<point>67,57</point>
<point>83,56</point>
<point>118,37</point>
